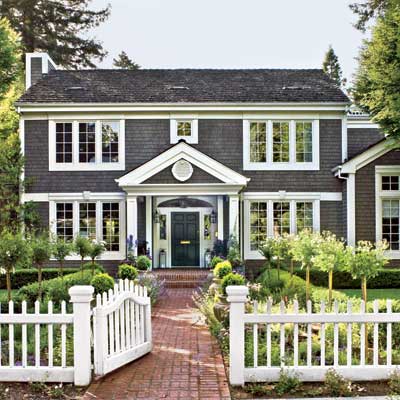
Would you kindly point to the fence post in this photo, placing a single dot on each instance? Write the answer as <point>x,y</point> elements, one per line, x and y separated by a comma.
<point>81,297</point>
<point>237,296</point>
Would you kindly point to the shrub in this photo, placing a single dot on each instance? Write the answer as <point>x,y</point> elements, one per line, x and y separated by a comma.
<point>143,263</point>
<point>61,249</point>
<point>97,266</point>
<point>232,279</point>
<point>394,382</point>
<point>288,383</point>
<point>222,269</point>
<point>154,285</point>
<point>126,271</point>
<point>336,385</point>
<point>102,283</point>
<point>216,260</point>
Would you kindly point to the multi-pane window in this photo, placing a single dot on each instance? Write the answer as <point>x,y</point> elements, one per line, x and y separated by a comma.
<point>111,224</point>
<point>184,128</point>
<point>64,221</point>
<point>258,224</point>
<point>281,217</point>
<point>64,142</point>
<point>304,215</point>
<point>390,182</point>
<point>303,142</point>
<point>390,223</point>
<point>280,141</point>
<point>87,142</point>
<point>109,140</point>
<point>258,142</point>
<point>87,220</point>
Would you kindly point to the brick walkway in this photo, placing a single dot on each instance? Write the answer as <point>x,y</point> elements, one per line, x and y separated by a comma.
<point>185,363</point>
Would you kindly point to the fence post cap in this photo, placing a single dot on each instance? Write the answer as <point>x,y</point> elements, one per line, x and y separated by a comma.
<point>237,294</point>
<point>81,293</point>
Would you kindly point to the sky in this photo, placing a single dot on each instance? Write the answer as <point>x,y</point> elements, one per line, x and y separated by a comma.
<point>230,33</point>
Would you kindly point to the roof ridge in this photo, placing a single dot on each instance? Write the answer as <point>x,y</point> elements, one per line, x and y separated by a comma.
<point>189,69</point>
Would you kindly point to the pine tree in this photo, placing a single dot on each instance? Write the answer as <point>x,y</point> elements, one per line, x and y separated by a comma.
<point>124,62</point>
<point>58,27</point>
<point>368,10</point>
<point>332,67</point>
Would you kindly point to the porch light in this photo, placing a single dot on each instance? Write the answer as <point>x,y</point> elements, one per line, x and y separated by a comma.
<point>213,217</point>
<point>156,217</point>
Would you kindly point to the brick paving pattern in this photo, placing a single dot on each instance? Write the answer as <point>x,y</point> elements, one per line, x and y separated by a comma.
<point>185,364</point>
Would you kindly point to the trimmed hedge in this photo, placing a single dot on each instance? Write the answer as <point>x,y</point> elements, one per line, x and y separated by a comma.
<point>387,279</point>
<point>23,277</point>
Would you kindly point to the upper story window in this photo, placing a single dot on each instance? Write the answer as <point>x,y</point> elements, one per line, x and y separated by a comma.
<point>86,145</point>
<point>184,129</point>
<point>390,182</point>
<point>281,145</point>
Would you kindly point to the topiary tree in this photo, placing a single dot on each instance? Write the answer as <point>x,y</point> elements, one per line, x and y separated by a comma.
<point>304,248</point>
<point>96,249</point>
<point>60,251</point>
<point>365,261</point>
<point>232,279</point>
<point>143,263</point>
<point>331,256</point>
<point>126,271</point>
<point>216,260</point>
<point>222,268</point>
<point>82,247</point>
<point>40,252</point>
<point>13,253</point>
<point>102,283</point>
<point>268,252</point>
<point>280,248</point>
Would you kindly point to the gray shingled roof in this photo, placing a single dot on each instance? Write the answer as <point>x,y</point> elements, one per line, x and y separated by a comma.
<point>185,85</point>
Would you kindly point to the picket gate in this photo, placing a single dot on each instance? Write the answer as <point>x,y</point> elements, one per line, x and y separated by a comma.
<point>121,326</point>
<point>355,366</point>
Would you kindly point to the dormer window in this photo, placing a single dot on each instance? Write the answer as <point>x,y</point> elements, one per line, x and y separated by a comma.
<point>184,129</point>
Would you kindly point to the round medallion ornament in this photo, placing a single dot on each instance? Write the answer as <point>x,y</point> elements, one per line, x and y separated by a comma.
<point>182,170</point>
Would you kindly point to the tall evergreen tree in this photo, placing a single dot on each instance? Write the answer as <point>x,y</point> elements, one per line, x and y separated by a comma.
<point>124,62</point>
<point>377,80</point>
<point>369,9</point>
<point>332,67</point>
<point>58,27</point>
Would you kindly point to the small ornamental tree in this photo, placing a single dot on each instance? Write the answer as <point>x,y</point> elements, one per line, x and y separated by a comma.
<point>13,253</point>
<point>331,256</point>
<point>365,261</point>
<point>40,253</point>
<point>280,248</point>
<point>61,250</point>
<point>304,248</point>
<point>82,247</point>
<point>96,250</point>
<point>267,251</point>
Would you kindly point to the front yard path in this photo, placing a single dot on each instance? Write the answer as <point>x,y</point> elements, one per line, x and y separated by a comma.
<point>185,363</point>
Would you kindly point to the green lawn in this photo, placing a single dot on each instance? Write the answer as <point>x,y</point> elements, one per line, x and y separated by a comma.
<point>374,293</point>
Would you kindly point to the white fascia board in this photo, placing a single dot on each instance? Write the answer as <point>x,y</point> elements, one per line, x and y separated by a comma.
<point>283,195</point>
<point>363,159</point>
<point>187,107</point>
<point>182,189</point>
<point>182,151</point>
<point>86,196</point>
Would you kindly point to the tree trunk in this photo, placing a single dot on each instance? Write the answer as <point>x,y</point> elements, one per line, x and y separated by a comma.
<point>8,278</point>
<point>62,269</point>
<point>291,267</point>
<point>82,267</point>
<point>279,269</point>
<point>40,282</point>
<point>365,297</point>
<point>330,286</point>
<point>308,282</point>
<point>93,267</point>
<point>364,289</point>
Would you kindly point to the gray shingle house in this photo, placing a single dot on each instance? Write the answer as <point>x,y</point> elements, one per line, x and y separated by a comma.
<point>170,161</point>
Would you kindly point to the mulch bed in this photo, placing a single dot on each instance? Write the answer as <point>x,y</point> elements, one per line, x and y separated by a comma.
<point>39,391</point>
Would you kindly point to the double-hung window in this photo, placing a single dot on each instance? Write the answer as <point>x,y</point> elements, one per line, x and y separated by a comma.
<point>274,217</point>
<point>281,144</point>
<point>86,145</point>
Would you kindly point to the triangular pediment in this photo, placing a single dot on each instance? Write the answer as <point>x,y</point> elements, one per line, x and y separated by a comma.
<point>201,163</point>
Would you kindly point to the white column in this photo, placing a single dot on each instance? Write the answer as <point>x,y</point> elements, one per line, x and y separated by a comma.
<point>237,298</point>
<point>351,209</point>
<point>149,225</point>
<point>220,216</point>
<point>131,220</point>
<point>234,215</point>
<point>81,297</point>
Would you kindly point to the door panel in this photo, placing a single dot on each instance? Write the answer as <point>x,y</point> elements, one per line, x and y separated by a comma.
<point>185,240</point>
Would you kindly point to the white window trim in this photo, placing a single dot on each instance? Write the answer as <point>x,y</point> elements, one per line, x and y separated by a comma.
<point>192,139</point>
<point>107,255</point>
<point>381,195</point>
<point>255,255</point>
<point>292,165</point>
<point>76,165</point>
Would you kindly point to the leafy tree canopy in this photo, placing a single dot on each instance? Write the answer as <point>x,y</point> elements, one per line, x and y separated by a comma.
<point>367,10</point>
<point>10,57</point>
<point>332,67</point>
<point>58,27</point>
<point>124,62</point>
<point>377,82</point>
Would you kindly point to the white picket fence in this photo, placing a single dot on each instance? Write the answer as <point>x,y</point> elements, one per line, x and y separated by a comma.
<point>122,333</point>
<point>122,326</point>
<point>315,368</point>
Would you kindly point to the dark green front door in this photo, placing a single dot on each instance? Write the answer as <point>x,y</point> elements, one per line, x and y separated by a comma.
<point>185,240</point>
